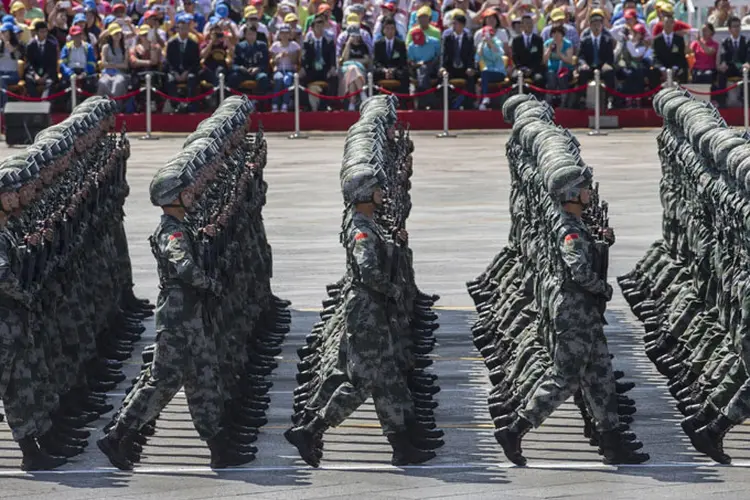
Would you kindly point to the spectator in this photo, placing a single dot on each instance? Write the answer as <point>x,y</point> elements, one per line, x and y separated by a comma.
<point>11,51</point>
<point>733,56</point>
<point>18,11</point>
<point>491,18</point>
<point>92,23</point>
<point>250,62</point>
<point>353,20</point>
<point>59,27</point>
<point>619,12</point>
<point>155,34</point>
<point>135,9</point>
<point>265,18</point>
<point>114,80</point>
<point>354,61</point>
<point>216,56</point>
<point>389,12</point>
<point>721,15</point>
<point>286,7</point>
<point>420,10</point>
<point>229,27</point>
<point>145,57</point>
<point>286,57</point>
<point>528,53</point>
<point>558,56</point>
<point>622,29</point>
<point>195,35</point>
<point>391,59</point>
<point>461,8</point>
<point>41,62</point>
<point>119,10</point>
<point>330,27</point>
<point>80,21</point>
<point>423,22</point>
<point>634,62</point>
<point>292,21</point>
<point>665,10</point>
<point>489,60</point>
<point>253,19</point>
<point>558,18</point>
<point>319,59</point>
<point>77,58</point>
<point>669,52</point>
<point>458,55</point>
<point>707,54</point>
<point>597,51</point>
<point>188,7</point>
<point>424,57</point>
<point>182,64</point>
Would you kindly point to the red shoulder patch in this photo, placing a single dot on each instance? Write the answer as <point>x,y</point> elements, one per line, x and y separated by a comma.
<point>360,236</point>
<point>571,237</point>
<point>175,236</point>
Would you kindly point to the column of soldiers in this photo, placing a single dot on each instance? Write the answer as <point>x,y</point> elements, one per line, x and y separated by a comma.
<point>69,314</point>
<point>218,324</point>
<point>690,288</point>
<point>541,302</point>
<point>376,328</point>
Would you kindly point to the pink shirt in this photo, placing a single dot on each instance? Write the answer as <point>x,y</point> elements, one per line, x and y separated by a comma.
<point>704,61</point>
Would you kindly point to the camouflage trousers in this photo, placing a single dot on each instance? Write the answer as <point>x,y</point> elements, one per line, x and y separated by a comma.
<point>182,357</point>
<point>580,360</point>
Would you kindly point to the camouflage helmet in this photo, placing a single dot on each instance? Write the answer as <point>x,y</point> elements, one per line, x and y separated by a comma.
<point>665,95</point>
<point>359,185</point>
<point>735,157</point>
<point>166,186</point>
<point>565,183</point>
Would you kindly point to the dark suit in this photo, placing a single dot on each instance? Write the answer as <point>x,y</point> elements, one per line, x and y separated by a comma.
<point>734,58</point>
<point>529,60</point>
<point>398,62</point>
<point>671,57</point>
<point>43,63</point>
<point>318,64</point>
<point>591,57</point>
<point>457,59</point>
<point>179,61</point>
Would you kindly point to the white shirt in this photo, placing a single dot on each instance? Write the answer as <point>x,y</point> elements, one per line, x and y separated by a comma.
<point>77,57</point>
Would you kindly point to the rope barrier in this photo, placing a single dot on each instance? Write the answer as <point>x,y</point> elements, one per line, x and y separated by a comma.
<point>264,97</point>
<point>50,97</point>
<point>184,99</point>
<point>409,96</point>
<point>713,92</point>
<point>492,95</point>
<point>580,88</point>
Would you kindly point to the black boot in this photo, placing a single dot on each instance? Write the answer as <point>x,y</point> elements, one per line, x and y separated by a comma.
<point>510,439</point>
<point>304,439</point>
<point>616,450</point>
<point>709,439</point>
<point>118,445</point>
<point>223,455</point>
<point>51,445</point>
<point>698,419</point>
<point>36,459</point>
<point>404,452</point>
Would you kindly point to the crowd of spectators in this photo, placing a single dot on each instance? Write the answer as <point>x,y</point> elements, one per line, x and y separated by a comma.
<point>407,45</point>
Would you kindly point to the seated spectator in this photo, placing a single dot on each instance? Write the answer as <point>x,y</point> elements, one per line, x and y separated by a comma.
<point>215,56</point>
<point>253,19</point>
<point>665,10</point>
<point>182,63</point>
<point>145,57</point>
<point>286,56</point>
<point>319,59</point>
<point>188,7</point>
<point>558,17</point>
<point>353,20</point>
<point>391,59</point>
<point>41,62</point>
<point>597,51</point>
<point>424,15</point>
<point>129,28</point>
<point>292,21</point>
<point>420,9</point>
<point>250,62</point>
<point>388,12</point>
<point>634,63</point>
<point>229,27</point>
<point>364,15</point>
<point>619,12</point>
<point>491,18</point>
<point>265,17</point>
<point>461,8</point>
<point>18,11</point>
<point>11,51</point>
<point>669,52</point>
<point>622,30</point>
<point>528,53</point>
<point>558,56</point>
<point>155,34</point>
<point>330,27</point>
<point>489,60</point>
<point>458,55</point>
<point>354,61</point>
<point>721,15</point>
<point>92,22</point>
<point>706,51</point>
<point>80,21</point>
<point>285,8</point>
<point>135,9</point>
<point>77,58</point>
<point>114,80</point>
<point>32,12</point>
<point>733,56</point>
<point>424,57</point>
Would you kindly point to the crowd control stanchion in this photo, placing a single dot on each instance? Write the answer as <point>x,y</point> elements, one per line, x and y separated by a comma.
<point>520,82</point>
<point>296,134</point>
<point>446,108</point>
<point>670,83</point>
<point>73,92</point>
<point>746,98</point>
<point>370,85</point>
<point>221,88</point>
<point>148,136</point>
<point>597,103</point>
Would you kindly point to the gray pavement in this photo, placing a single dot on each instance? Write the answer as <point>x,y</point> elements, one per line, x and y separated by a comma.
<point>459,221</point>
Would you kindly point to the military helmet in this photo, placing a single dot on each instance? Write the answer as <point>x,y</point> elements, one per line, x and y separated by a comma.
<point>665,95</point>
<point>166,186</point>
<point>565,183</point>
<point>359,185</point>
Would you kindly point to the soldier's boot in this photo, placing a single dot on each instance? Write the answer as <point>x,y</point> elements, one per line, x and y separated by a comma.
<point>685,380</point>
<point>117,445</point>
<point>616,450</point>
<point>223,455</point>
<point>623,387</point>
<point>305,438</point>
<point>70,431</point>
<point>65,439</point>
<point>36,459</point>
<point>404,452</point>
<point>626,419</point>
<point>2,417</point>
<point>709,439</point>
<point>510,439</point>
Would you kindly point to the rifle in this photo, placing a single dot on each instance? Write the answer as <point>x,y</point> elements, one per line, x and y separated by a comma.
<point>601,264</point>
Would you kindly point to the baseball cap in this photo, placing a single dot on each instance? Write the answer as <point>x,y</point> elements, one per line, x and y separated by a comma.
<point>75,30</point>
<point>630,14</point>
<point>557,15</point>
<point>291,17</point>
<point>425,10</point>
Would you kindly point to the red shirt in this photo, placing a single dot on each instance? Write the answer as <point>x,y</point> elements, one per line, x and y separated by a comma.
<point>678,26</point>
<point>703,60</point>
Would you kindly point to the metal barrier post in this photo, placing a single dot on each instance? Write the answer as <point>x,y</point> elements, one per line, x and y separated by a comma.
<point>73,91</point>
<point>148,136</point>
<point>221,88</point>
<point>446,108</point>
<point>670,82</point>
<point>597,103</point>
<point>745,98</point>
<point>370,85</point>
<point>296,134</point>
<point>2,115</point>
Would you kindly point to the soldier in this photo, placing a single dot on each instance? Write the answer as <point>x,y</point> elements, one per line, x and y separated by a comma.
<point>181,342</point>
<point>581,357</point>
<point>366,353</point>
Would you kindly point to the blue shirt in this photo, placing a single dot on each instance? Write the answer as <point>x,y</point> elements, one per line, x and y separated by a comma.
<point>554,64</point>
<point>493,61</point>
<point>430,51</point>
<point>251,56</point>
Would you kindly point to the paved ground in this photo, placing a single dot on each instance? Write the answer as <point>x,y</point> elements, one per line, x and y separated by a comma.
<point>459,221</point>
